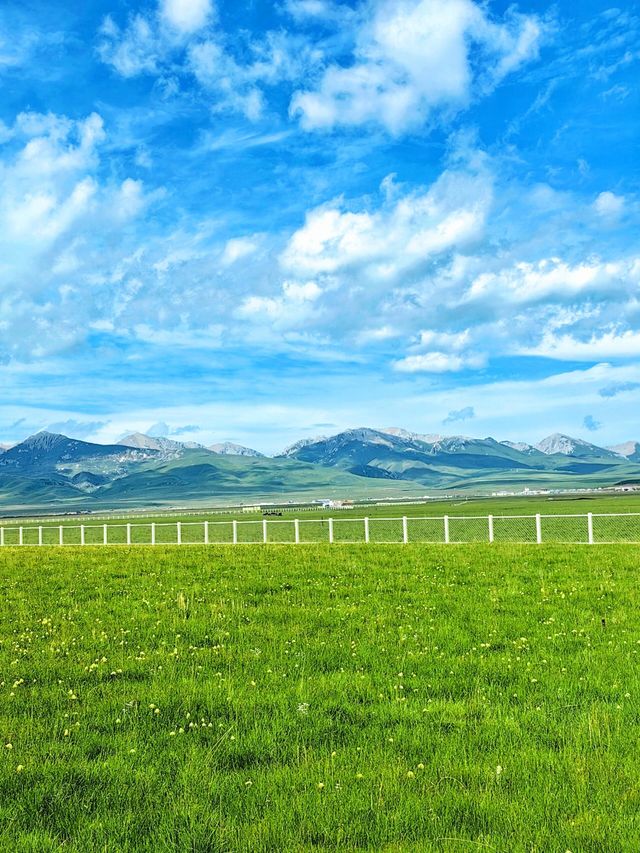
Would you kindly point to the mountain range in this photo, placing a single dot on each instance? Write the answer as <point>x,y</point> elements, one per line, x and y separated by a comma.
<point>51,470</point>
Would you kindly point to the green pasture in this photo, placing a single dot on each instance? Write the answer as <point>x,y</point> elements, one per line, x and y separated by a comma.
<point>548,505</point>
<point>414,698</point>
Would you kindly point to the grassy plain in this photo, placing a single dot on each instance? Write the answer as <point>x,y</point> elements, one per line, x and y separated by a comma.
<point>411,698</point>
<point>461,506</point>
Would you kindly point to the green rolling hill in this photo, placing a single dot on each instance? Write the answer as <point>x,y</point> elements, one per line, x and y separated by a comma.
<point>52,471</point>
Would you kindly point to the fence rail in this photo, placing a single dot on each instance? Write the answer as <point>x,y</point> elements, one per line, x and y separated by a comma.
<point>588,528</point>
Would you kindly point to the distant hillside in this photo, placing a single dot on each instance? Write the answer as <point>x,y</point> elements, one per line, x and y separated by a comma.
<point>50,470</point>
<point>48,451</point>
<point>630,450</point>
<point>460,462</point>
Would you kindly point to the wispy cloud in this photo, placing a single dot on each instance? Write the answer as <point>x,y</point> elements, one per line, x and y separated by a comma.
<point>465,414</point>
<point>616,388</point>
<point>591,423</point>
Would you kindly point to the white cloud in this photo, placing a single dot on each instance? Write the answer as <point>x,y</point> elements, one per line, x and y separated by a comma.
<point>396,236</point>
<point>289,309</point>
<point>217,70</point>
<point>238,248</point>
<point>413,57</point>
<point>187,16</point>
<point>58,225</point>
<point>614,344</point>
<point>450,341</point>
<point>324,11</point>
<point>555,279</point>
<point>377,334</point>
<point>135,50</point>
<point>239,84</point>
<point>608,205</point>
<point>149,41</point>
<point>439,362</point>
<point>180,41</point>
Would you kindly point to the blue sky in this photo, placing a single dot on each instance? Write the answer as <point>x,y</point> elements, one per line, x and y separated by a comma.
<point>257,221</point>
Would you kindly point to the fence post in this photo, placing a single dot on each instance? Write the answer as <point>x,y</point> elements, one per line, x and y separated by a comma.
<point>446,529</point>
<point>128,533</point>
<point>206,533</point>
<point>331,531</point>
<point>40,535</point>
<point>20,537</point>
<point>61,535</point>
<point>590,527</point>
<point>1,536</point>
<point>179,532</point>
<point>405,530</point>
<point>153,533</point>
<point>235,532</point>
<point>264,531</point>
<point>296,531</point>
<point>82,534</point>
<point>366,529</point>
<point>538,529</point>
<point>490,520</point>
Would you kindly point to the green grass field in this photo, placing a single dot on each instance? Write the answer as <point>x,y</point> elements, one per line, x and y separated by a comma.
<point>296,699</point>
<point>563,520</point>
<point>571,504</point>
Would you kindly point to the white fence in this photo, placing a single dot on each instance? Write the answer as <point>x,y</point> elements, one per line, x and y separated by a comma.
<point>588,528</point>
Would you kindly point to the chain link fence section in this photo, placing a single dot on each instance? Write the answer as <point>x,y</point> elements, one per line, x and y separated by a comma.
<point>569,529</point>
<point>512,528</point>
<point>616,528</point>
<point>468,529</point>
<point>383,530</point>
<point>585,528</point>
<point>426,530</point>
<point>349,530</point>
<point>315,531</point>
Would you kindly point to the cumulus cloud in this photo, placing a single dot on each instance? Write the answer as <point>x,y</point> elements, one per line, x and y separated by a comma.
<point>460,415</point>
<point>57,213</point>
<point>556,280</point>
<point>290,309</point>
<point>187,16</point>
<point>598,347</point>
<point>237,248</point>
<point>414,57</point>
<point>179,43</point>
<point>396,236</point>
<point>608,205</point>
<point>440,362</point>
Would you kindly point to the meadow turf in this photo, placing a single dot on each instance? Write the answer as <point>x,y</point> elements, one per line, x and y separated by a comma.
<point>320,698</point>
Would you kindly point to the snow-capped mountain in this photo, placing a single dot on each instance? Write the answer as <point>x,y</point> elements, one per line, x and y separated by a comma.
<point>568,446</point>
<point>228,448</point>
